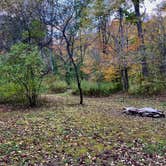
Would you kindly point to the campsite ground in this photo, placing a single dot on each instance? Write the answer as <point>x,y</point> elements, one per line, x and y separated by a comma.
<point>61,132</point>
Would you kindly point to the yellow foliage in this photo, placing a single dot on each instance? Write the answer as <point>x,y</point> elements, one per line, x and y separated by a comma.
<point>135,69</point>
<point>110,73</point>
<point>86,70</point>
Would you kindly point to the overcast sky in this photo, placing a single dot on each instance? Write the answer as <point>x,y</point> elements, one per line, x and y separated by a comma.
<point>150,6</point>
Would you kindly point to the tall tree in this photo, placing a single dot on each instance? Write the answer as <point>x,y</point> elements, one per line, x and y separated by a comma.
<point>142,48</point>
<point>162,37</point>
<point>102,13</point>
<point>123,64</point>
<point>66,21</point>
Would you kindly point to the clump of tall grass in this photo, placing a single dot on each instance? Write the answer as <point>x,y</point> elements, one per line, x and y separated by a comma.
<point>97,89</point>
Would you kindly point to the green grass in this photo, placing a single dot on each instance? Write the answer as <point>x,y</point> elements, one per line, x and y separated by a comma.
<point>147,87</point>
<point>97,89</point>
<point>53,85</point>
<point>159,148</point>
<point>63,132</point>
<point>11,93</point>
<point>58,87</point>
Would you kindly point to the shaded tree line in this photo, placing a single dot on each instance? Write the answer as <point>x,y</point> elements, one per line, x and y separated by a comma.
<point>73,31</point>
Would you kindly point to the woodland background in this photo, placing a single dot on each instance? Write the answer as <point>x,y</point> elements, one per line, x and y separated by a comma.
<point>107,46</point>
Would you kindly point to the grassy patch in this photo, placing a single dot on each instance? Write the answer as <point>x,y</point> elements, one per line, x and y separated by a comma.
<point>156,148</point>
<point>97,133</point>
<point>52,84</point>
<point>97,89</point>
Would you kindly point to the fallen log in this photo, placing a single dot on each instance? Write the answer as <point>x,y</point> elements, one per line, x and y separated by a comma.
<point>144,112</point>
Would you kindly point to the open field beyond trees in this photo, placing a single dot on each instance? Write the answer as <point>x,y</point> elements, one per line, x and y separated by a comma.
<point>64,133</point>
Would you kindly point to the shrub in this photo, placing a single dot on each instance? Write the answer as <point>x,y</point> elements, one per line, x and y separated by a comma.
<point>11,93</point>
<point>147,87</point>
<point>97,89</point>
<point>58,87</point>
<point>52,84</point>
<point>23,67</point>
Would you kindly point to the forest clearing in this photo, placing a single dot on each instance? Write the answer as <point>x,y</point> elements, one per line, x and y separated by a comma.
<point>82,82</point>
<point>64,133</point>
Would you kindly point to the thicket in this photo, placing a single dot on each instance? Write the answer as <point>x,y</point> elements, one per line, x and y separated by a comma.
<point>21,74</point>
<point>97,89</point>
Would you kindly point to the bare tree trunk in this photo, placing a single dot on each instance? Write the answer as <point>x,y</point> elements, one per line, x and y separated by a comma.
<point>162,45</point>
<point>70,53</point>
<point>33,100</point>
<point>78,80</point>
<point>141,37</point>
<point>125,80</point>
<point>123,65</point>
<point>103,34</point>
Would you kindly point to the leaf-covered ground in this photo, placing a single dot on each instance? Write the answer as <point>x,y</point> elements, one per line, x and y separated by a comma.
<point>64,133</point>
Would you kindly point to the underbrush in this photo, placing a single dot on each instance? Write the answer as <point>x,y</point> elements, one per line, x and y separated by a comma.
<point>51,84</point>
<point>147,87</point>
<point>12,94</point>
<point>97,89</point>
<point>58,87</point>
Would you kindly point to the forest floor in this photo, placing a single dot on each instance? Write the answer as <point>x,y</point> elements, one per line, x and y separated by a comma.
<point>61,132</point>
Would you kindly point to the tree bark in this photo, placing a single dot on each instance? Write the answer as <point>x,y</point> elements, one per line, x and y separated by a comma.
<point>70,53</point>
<point>123,65</point>
<point>78,81</point>
<point>125,79</point>
<point>141,37</point>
